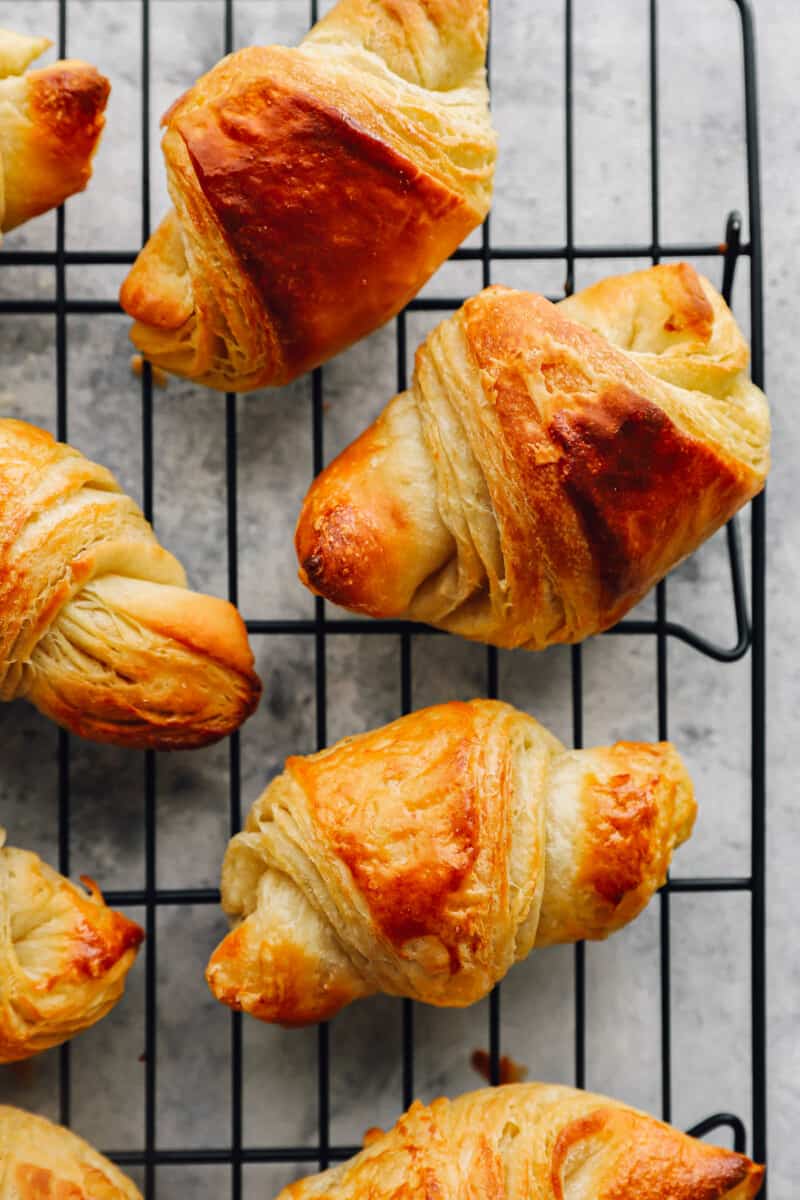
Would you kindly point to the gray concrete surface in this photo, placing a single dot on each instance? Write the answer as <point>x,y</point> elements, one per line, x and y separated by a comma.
<point>703,177</point>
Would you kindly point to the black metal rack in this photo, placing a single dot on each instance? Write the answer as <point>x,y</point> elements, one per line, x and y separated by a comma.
<point>749,640</point>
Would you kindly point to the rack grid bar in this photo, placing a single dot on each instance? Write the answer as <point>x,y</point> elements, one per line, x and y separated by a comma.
<point>108,258</point>
<point>758,806</point>
<point>64,787</point>
<point>164,897</point>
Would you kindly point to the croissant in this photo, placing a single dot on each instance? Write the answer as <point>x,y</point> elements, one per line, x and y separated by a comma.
<point>425,858</point>
<point>534,1141</point>
<point>64,955</point>
<point>97,627</point>
<point>315,191</point>
<point>50,123</point>
<point>548,465</point>
<point>41,1161</point>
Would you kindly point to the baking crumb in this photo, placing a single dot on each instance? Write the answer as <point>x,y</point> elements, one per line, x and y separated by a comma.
<point>372,1135</point>
<point>510,1071</point>
<point>160,378</point>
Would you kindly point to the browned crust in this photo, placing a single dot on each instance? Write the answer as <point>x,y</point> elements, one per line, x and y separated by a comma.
<point>285,175</point>
<point>42,1161</point>
<point>622,839</point>
<point>104,937</point>
<point>366,797</point>
<point>38,1183</point>
<point>343,559</point>
<point>69,100</point>
<point>648,1160</point>
<point>316,191</point>
<point>351,532</point>
<point>622,447</point>
<point>295,990</point>
<point>690,307</point>
<point>619,493</point>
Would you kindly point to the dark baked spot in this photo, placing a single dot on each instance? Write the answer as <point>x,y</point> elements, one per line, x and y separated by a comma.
<point>340,557</point>
<point>632,477</point>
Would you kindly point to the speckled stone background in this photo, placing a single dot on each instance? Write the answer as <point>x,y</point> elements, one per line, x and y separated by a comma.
<point>703,176</point>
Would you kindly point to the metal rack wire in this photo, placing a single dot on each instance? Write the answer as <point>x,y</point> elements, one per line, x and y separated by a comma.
<point>750,634</point>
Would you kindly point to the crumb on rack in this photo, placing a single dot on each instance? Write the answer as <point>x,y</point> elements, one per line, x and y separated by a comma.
<point>160,378</point>
<point>510,1071</point>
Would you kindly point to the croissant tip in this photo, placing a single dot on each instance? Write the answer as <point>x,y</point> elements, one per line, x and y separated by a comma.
<point>71,97</point>
<point>756,1175</point>
<point>335,559</point>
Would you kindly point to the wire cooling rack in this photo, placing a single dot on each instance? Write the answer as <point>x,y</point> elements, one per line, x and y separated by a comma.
<point>749,641</point>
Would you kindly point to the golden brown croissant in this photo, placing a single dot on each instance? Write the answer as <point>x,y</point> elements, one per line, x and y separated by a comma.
<point>97,626</point>
<point>425,858</point>
<point>41,1161</point>
<point>533,1141</point>
<point>548,465</point>
<point>50,123</point>
<point>64,955</point>
<point>315,191</point>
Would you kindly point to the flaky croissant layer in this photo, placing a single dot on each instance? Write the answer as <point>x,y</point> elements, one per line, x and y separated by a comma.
<point>549,464</point>
<point>64,955</point>
<point>50,124</point>
<point>97,626</point>
<point>423,859</point>
<point>533,1141</point>
<point>42,1161</point>
<point>315,191</point>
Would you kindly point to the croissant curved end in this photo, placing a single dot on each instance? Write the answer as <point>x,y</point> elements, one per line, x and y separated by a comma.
<point>99,629</point>
<point>157,291</point>
<point>70,99</point>
<point>285,986</point>
<point>180,674</point>
<point>342,559</point>
<point>645,1160</point>
<point>316,190</point>
<point>361,543</point>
